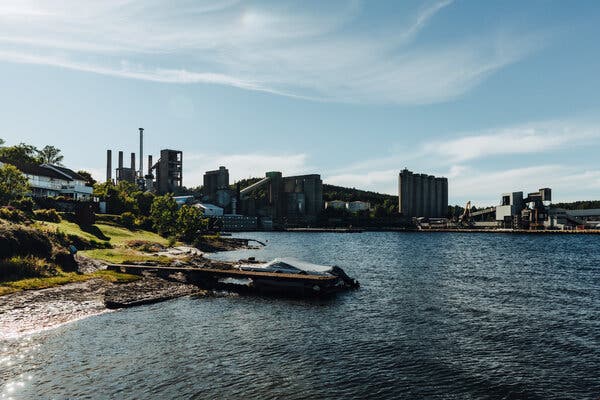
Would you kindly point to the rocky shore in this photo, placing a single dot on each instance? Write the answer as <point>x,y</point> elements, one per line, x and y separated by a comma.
<point>31,311</point>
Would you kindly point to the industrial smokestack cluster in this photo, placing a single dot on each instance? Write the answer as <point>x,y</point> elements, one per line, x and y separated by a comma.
<point>133,174</point>
<point>108,165</point>
<point>141,172</point>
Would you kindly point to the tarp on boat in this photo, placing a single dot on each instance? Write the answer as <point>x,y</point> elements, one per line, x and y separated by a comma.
<point>289,266</point>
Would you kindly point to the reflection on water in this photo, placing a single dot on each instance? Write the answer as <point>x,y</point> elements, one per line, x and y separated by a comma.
<point>438,316</point>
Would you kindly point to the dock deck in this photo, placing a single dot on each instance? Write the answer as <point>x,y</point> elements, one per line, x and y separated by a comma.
<point>262,282</point>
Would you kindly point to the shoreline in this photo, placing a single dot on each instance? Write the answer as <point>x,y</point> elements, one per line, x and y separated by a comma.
<point>434,230</point>
<point>28,312</point>
<point>33,311</point>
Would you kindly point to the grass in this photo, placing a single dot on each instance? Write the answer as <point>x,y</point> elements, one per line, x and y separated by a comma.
<point>123,255</point>
<point>62,279</point>
<point>119,238</point>
<point>115,235</point>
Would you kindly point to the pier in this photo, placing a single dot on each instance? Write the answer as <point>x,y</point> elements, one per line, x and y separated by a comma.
<point>302,285</point>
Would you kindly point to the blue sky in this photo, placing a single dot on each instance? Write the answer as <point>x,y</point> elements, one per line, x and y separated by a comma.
<point>497,96</point>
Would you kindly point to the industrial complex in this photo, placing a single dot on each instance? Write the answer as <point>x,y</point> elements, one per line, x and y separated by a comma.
<point>277,201</point>
<point>165,176</point>
<point>422,195</point>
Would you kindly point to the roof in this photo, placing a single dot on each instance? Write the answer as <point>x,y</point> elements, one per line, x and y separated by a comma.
<point>591,212</point>
<point>34,169</point>
<point>207,206</point>
<point>65,171</point>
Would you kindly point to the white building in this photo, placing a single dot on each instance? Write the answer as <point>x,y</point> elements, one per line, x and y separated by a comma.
<point>336,204</point>
<point>48,180</point>
<point>356,206</point>
<point>209,210</point>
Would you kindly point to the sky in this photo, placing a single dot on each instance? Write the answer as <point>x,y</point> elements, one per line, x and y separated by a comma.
<point>496,96</point>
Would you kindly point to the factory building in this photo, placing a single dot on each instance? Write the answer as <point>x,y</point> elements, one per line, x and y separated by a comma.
<point>516,211</point>
<point>168,171</point>
<point>284,201</point>
<point>166,176</point>
<point>216,189</point>
<point>422,195</point>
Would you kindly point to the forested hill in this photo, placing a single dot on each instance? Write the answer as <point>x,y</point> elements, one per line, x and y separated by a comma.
<point>331,192</point>
<point>579,205</point>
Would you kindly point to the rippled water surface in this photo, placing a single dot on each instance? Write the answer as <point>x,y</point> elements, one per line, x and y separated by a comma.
<point>439,316</point>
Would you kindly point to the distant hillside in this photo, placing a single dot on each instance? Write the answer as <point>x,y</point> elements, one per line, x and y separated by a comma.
<point>244,183</point>
<point>332,192</point>
<point>579,205</point>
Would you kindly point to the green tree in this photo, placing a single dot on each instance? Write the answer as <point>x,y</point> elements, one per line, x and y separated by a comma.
<point>13,184</point>
<point>163,214</point>
<point>88,178</point>
<point>143,202</point>
<point>1,141</point>
<point>190,223</point>
<point>50,155</point>
<point>119,198</point>
<point>21,153</point>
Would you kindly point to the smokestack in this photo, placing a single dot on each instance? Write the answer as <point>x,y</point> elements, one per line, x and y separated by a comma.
<point>120,159</point>
<point>133,162</point>
<point>108,165</point>
<point>141,152</point>
<point>150,165</point>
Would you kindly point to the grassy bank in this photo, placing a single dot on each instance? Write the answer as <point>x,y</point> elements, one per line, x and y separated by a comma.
<point>62,278</point>
<point>113,241</point>
<point>32,256</point>
<point>102,232</point>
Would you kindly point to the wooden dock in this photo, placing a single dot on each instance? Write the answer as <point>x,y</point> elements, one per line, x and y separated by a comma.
<point>245,281</point>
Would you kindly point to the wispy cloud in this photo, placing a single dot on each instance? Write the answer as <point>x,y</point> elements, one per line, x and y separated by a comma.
<point>466,159</point>
<point>524,139</point>
<point>568,182</point>
<point>283,48</point>
<point>242,165</point>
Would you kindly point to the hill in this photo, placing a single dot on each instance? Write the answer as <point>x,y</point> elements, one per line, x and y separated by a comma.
<point>332,192</point>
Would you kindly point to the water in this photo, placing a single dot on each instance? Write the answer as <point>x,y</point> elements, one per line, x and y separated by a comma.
<point>439,316</point>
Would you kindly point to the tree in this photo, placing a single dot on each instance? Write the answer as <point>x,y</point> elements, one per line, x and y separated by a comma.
<point>88,178</point>
<point>50,155</point>
<point>13,184</point>
<point>143,201</point>
<point>163,214</point>
<point>1,141</point>
<point>190,223</point>
<point>21,153</point>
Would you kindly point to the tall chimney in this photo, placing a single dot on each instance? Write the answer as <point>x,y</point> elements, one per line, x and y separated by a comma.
<point>108,165</point>
<point>150,165</point>
<point>133,162</point>
<point>120,159</point>
<point>141,152</point>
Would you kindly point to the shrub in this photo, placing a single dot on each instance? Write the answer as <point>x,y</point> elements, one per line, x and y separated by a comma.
<point>127,220</point>
<point>171,241</point>
<point>12,214</point>
<point>47,215</point>
<point>22,241</point>
<point>20,267</point>
<point>144,223</point>
<point>25,204</point>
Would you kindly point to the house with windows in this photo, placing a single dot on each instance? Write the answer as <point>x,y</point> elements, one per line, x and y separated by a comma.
<point>47,180</point>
